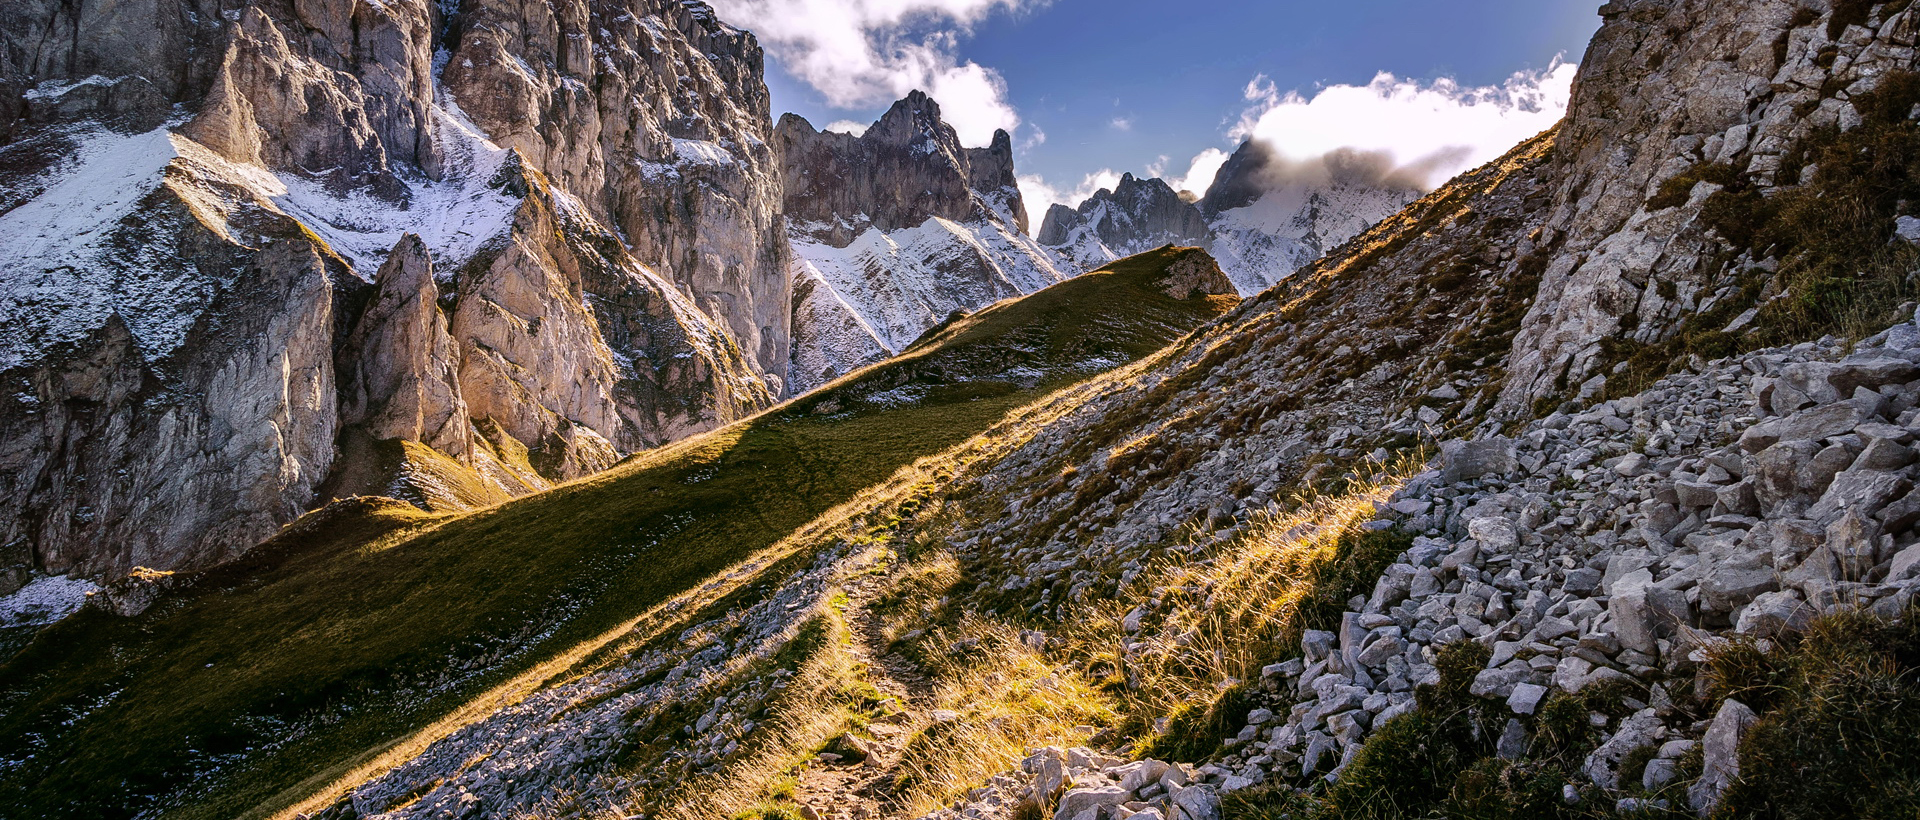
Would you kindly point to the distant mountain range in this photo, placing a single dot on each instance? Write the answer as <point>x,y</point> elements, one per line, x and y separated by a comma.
<point>1263,217</point>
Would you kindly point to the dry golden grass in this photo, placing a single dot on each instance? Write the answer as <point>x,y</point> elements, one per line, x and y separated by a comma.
<point>1007,698</point>
<point>1014,689</point>
<point>1222,618</point>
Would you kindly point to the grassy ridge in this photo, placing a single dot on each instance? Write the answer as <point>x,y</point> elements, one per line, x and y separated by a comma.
<point>367,621</point>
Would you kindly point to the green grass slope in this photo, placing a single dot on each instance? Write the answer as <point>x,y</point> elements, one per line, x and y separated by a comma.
<point>261,681</point>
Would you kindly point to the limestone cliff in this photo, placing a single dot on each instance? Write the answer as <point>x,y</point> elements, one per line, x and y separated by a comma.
<point>1686,121</point>
<point>895,230</point>
<point>240,247</point>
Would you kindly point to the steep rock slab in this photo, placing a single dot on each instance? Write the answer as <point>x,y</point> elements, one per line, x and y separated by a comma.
<point>169,373</point>
<point>896,230</point>
<point>655,115</point>
<point>398,378</point>
<point>1678,102</point>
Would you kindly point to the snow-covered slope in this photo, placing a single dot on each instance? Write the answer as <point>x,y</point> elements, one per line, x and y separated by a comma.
<point>893,232</point>
<point>1287,228</point>
<point>1263,218</point>
<point>1136,216</point>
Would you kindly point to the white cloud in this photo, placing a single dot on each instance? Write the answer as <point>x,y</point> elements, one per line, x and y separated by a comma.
<point>863,54</point>
<point>1122,124</point>
<point>1200,172</point>
<point>1035,138</point>
<point>848,127</point>
<point>1039,195</point>
<point>1409,120</point>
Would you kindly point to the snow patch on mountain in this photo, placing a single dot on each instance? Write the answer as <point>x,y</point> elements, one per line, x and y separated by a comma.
<point>455,216</point>
<point>1283,231</point>
<point>63,275</point>
<point>876,296</point>
<point>45,600</point>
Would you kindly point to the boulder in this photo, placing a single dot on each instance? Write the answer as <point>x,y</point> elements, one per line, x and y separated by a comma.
<point>1809,425</point>
<point>1728,585</point>
<point>1496,534</point>
<point>1905,565</point>
<point>1643,611</point>
<point>1193,803</point>
<point>1854,542</point>
<point>1773,614</point>
<point>1738,499</point>
<point>1638,731</point>
<point>1526,698</point>
<point>1722,756</point>
<point>1077,802</point>
<point>1871,373</point>
<point>1782,472</point>
<point>1468,460</point>
<point>1865,492</point>
<point>1049,770</point>
<point>1696,494</point>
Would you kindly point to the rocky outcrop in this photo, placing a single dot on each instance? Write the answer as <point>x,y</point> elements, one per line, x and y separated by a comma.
<point>139,438</point>
<point>655,116</point>
<point>1736,98</point>
<point>209,316</point>
<point>399,370</point>
<point>1136,216</point>
<point>895,230</point>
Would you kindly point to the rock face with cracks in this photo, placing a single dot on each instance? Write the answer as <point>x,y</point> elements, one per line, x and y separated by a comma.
<point>243,246</point>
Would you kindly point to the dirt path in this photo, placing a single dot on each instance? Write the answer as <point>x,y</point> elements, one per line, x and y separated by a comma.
<point>843,790</point>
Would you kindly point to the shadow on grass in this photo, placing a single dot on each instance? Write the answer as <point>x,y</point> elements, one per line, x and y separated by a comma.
<point>367,621</point>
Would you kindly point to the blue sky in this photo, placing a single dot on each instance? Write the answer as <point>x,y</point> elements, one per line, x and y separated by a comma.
<point>1133,85</point>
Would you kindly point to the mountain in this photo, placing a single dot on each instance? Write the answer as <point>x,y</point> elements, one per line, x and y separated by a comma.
<point>1269,217</point>
<point>1136,216</point>
<point>1582,486</point>
<point>257,258</point>
<point>895,230</point>
<point>1263,217</point>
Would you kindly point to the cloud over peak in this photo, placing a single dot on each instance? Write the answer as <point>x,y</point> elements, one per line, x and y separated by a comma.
<point>868,53</point>
<point>1429,130</point>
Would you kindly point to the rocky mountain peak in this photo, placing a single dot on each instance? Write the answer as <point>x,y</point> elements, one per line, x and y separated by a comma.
<point>1236,185</point>
<point>991,173</point>
<point>907,168</point>
<point>911,120</point>
<point>1135,216</point>
<point>1263,218</point>
<point>896,229</point>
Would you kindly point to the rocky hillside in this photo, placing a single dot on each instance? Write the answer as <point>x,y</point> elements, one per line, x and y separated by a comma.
<point>361,637</point>
<point>1316,558</point>
<point>259,257</point>
<point>1263,217</point>
<point>894,231</point>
